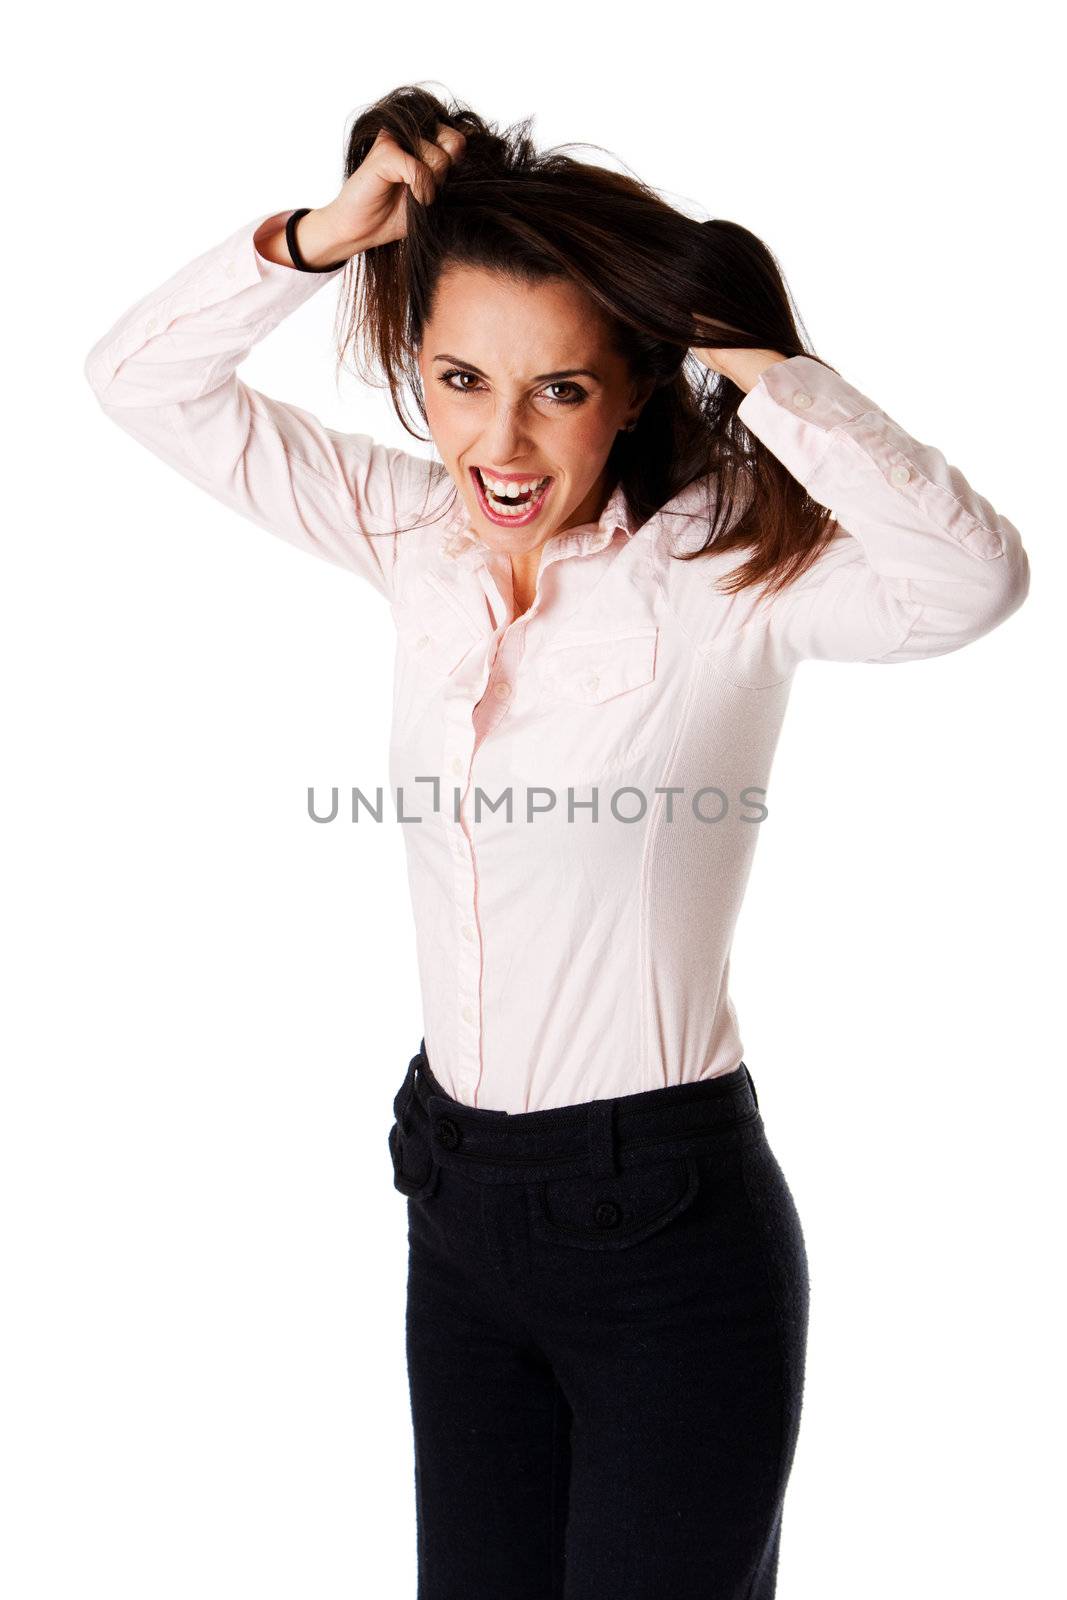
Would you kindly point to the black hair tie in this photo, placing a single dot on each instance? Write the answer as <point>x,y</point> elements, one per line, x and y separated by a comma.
<point>290,239</point>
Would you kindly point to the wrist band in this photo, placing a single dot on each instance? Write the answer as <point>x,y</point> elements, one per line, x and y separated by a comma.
<point>294,250</point>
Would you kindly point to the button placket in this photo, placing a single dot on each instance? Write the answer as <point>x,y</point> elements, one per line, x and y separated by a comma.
<point>462,741</point>
<point>493,707</point>
<point>468,954</point>
<point>479,700</point>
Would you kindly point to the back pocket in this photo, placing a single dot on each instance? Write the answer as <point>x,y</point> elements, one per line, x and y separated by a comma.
<point>613,1213</point>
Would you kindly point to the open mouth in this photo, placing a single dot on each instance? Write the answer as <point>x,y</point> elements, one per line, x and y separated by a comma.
<point>511,507</point>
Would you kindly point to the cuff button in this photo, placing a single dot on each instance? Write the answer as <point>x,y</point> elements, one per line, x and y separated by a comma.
<point>802,400</point>
<point>899,475</point>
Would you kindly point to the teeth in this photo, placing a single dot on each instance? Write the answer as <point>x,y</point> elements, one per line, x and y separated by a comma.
<point>504,490</point>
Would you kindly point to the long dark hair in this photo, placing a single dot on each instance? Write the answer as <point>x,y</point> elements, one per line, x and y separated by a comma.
<point>663,281</point>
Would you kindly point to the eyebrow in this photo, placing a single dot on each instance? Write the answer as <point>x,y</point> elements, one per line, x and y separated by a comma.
<point>542,377</point>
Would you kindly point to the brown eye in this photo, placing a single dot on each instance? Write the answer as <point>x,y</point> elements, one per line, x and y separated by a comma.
<point>455,372</point>
<point>575,397</point>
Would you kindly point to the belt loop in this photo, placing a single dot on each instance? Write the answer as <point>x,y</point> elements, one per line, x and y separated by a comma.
<point>407,1093</point>
<point>601,1126</point>
<point>751,1085</point>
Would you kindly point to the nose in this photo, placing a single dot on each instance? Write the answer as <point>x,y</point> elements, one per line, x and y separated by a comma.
<point>506,438</point>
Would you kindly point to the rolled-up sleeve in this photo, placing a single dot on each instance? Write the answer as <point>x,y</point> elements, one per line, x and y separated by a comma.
<point>921,565</point>
<point>166,373</point>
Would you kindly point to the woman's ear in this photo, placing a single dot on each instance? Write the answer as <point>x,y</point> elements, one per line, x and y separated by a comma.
<point>639,394</point>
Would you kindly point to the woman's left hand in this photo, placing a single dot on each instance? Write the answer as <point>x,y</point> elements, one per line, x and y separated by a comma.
<point>742,367</point>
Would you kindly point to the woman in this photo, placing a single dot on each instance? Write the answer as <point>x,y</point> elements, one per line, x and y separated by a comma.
<point>597,634</point>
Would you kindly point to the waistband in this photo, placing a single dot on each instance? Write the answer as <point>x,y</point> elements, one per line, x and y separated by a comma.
<point>596,1137</point>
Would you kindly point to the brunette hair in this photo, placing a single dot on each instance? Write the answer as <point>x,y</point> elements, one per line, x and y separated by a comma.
<point>664,283</point>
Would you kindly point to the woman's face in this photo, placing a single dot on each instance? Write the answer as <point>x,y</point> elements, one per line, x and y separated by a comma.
<point>520,381</point>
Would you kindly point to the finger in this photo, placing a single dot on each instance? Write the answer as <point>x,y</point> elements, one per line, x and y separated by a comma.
<point>435,156</point>
<point>420,172</point>
<point>400,167</point>
<point>451,139</point>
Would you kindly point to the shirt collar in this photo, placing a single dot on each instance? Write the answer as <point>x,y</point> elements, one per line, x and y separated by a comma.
<point>461,544</point>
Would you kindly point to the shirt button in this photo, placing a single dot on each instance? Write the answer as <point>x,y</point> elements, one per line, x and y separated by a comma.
<point>591,680</point>
<point>467,1013</point>
<point>467,931</point>
<point>150,327</point>
<point>801,400</point>
<point>502,691</point>
<point>457,765</point>
<point>422,641</point>
<point>229,269</point>
<point>899,474</point>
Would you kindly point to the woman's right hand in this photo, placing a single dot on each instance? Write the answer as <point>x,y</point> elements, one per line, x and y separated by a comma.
<point>370,209</point>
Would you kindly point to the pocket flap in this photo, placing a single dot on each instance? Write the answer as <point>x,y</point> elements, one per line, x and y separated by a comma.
<point>434,630</point>
<point>611,1213</point>
<point>595,667</point>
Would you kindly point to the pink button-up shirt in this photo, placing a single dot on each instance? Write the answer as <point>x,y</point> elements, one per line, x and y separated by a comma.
<point>567,954</point>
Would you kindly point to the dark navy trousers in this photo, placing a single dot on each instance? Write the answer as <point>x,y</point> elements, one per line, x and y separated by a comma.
<point>607,1314</point>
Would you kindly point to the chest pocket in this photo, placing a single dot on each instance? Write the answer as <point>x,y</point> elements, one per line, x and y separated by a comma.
<point>598,667</point>
<point>434,635</point>
<point>594,690</point>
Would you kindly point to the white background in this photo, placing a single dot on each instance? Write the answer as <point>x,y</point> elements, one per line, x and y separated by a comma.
<point>211,1001</point>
